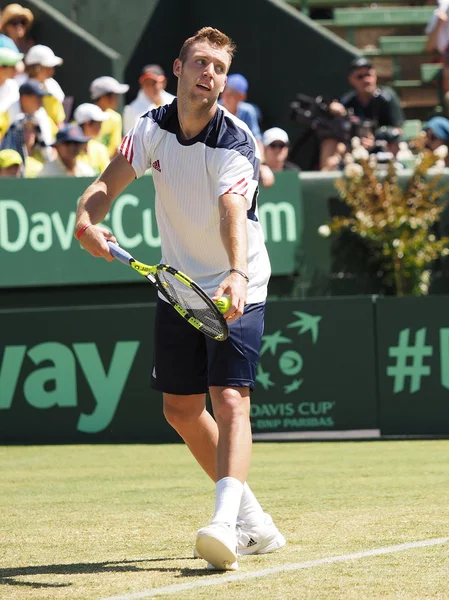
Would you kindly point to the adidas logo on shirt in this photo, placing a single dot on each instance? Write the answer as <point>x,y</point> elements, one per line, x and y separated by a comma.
<point>157,165</point>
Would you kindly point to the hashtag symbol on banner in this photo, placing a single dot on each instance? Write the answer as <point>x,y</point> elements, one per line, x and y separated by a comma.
<point>414,368</point>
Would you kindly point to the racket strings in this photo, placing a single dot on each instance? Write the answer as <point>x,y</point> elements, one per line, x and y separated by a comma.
<point>198,306</point>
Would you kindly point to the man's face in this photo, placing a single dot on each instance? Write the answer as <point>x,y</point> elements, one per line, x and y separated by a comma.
<point>29,134</point>
<point>30,104</point>
<point>152,87</point>
<point>363,80</point>
<point>433,142</point>
<point>68,152</point>
<point>202,76</point>
<point>277,151</point>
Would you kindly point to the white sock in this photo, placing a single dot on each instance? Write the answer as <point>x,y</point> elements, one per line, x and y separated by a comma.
<point>250,510</point>
<point>228,494</point>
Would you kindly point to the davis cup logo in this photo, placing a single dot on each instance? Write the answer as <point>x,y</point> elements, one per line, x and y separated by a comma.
<point>288,360</point>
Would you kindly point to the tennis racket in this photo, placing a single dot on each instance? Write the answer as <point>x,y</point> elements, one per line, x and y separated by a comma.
<point>186,297</point>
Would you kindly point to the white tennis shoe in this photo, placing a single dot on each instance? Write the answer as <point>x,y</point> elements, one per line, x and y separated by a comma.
<point>262,538</point>
<point>217,544</point>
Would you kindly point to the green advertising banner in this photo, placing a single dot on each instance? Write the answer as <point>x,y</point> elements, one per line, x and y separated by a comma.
<point>37,217</point>
<point>413,365</point>
<point>79,374</point>
<point>82,374</point>
<point>317,368</point>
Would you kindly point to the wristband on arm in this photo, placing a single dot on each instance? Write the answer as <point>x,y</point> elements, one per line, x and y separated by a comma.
<point>244,275</point>
<point>79,233</point>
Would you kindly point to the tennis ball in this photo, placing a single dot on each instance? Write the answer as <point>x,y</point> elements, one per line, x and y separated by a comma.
<point>223,304</point>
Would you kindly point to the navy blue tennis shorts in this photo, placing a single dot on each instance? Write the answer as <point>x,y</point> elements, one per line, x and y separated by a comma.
<point>188,362</point>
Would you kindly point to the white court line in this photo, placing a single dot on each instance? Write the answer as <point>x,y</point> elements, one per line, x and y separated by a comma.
<point>218,580</point>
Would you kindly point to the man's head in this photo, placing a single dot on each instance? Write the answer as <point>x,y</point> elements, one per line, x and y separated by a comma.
<point>152,81</point>
<point>437,132</point>
<point>90,117</point>
<point>234,92</point>
<point>8,61</point>
<point>276,147</point>
<point>31,94</point>
<point>362,76</point>
<point>104,91</point>
<point>69,143</point>
<point>15,21</point>
<point>202,66</point>
<point>11,163</point>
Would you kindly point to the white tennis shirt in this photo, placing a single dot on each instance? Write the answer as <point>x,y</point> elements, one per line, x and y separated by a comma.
<point>189,176</point>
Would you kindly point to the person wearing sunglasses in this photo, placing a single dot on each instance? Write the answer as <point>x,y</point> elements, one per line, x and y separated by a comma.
<point>15,22</point>
<point>276,147</point>
<point>367,100</point>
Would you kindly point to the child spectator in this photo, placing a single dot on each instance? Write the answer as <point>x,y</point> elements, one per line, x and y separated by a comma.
<point>69,144</point>
<point>90,118</point>
<point>104,92</point>
<point>40,63</point>
<point>9,90</point>
<point>11,163</point>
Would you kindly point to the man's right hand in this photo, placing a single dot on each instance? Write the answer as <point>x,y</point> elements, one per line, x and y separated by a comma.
<point>95,240</point>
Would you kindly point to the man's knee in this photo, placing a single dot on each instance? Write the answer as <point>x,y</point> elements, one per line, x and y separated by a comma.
<point>230,404</point>
<point>182,410</point>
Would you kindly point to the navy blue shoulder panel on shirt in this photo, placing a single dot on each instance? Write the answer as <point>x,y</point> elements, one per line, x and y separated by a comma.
<point>220,132</point>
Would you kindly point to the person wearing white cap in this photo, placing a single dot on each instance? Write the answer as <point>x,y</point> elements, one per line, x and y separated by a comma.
<point>90,118</point>
<point>277,145</point>
<point>40,62</point>
<point>9,90</point>
<point>104,91</point>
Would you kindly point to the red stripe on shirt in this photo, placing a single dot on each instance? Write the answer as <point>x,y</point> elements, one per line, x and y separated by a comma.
<point>131,153</point>
<point>235,185</point>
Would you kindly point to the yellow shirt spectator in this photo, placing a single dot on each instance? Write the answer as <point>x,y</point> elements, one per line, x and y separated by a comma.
<point>32,167</point>
<point>91,118</point>
<point>111,132</point>
<point>97,156</point>
<point>104,92</point>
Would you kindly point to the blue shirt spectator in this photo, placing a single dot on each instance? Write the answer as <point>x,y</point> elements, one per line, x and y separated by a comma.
<point>6,42</point>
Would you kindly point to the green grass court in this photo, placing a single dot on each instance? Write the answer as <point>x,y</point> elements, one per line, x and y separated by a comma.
<point>95,522</point>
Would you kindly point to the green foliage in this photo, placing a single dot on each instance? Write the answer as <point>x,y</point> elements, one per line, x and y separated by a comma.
<point>396,221</point>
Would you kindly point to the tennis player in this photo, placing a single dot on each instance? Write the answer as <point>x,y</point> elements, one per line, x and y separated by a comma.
<point>205,166</point>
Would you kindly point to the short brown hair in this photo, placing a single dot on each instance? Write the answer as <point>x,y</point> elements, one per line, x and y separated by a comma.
<point>214,37</point>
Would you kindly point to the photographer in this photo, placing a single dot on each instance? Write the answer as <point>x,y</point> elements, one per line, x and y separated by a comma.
<point>367,101</point>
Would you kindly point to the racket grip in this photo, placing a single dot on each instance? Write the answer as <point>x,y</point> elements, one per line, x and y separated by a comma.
<point>120,254</point>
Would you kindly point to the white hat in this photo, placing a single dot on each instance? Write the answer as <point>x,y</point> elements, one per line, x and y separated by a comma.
<point>275,134</point>
<point>89,112</point>
<point>106,85</point>
<point>42,55</point>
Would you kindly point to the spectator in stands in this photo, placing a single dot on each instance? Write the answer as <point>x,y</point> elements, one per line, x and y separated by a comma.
<point>11,163</point>
<point>151,95</point>
<point>104,92</point>
<point>9,90</point>
<point>233,99</point>
<point>32,147</point>
<point>368,101</point>
<point>437,134</point>
<point>437,31</point>
<point>90,118</point>
<point>30,103</point>
<point>69,144</point>
<point>277,146</point>
<point>40,63</point>
<point>15,22</point>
